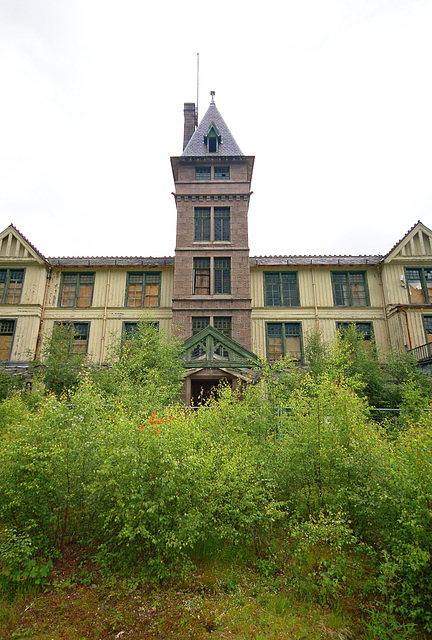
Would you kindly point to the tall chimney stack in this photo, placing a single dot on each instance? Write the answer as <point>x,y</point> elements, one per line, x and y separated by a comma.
<point>189,122</point>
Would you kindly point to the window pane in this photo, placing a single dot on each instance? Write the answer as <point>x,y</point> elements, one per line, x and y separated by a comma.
<point>202,224</point>
<point>6,334</point>
<point>198,324</point>
<point>5,346</point>
<point>85,295</point>
<point>202,173</point>
<point>135,295</point>
<point>68,295</point>
<point>222,230</point>
<point>415,286</point>
<point>222,173</point>
<point>358,289</point>
<point>151,295</point>
<point>222,275</point>
<point>290,297</point>
<point>223,324</point>
<point>272,290</point>
<point>80,337</point>
<point>340,289</point>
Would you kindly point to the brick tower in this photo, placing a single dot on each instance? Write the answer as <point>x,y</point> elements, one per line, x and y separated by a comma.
<point>212,275</point>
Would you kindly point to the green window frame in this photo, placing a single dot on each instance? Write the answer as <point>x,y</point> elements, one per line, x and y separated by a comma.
<point>427,323</point>
<point>199,323</point>
<point>201,276</point>
<point>143,289</point>
<point>7,331</point>
<point>222,275</point>
<point>11,285</point>
<point>202,216</point>
<point>79,336</point>
<point>350,289</point>
<point>419,283</point>
<point>76,289</point>
<point>364,329</point>
<point>222,224</point>
<point>223,324</point>
<point>284,339</point>
<point>281,289</point>
<point>202,173</point>
<point>221,173</point>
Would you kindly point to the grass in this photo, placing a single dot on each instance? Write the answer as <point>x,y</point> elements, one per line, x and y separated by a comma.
<point>220,599</point>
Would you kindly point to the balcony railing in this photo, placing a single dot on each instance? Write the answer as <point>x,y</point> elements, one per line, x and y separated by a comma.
<point>423,353</point>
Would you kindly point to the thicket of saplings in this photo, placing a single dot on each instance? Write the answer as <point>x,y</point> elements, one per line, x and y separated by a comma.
<point>295,478</point>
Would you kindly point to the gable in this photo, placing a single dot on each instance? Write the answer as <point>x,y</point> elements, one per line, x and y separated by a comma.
<point>210,348</point>
<point>417,243</point>
<point>14,247</point>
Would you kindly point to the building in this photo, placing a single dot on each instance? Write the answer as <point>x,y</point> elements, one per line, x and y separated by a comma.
<point>228,307</point>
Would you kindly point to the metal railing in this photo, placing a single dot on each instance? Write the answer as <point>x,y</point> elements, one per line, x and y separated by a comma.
<point>423,353</point>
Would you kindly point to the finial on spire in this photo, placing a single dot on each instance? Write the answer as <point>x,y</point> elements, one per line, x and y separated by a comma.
<point>212,93</point>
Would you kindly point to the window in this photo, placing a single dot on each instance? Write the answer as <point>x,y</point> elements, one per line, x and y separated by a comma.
<point>143,289</point>
<point>201,276</point>
<point>281,289</point>
<point>202,173</point>
<point>130,328</point>
<point>284,339</point>
<point>198,324</point>
<point>78,336</point>
<point>349,289</point>
<point>363,328</point>
<point>7,328</point>
<point>428,328</point>
<point>221,173</point>
<point>222,224</point>
<point>76,289</point>
<point>419,285</point>
<point>11,283</point>
<point>212,139</point>
<point>222,275</point>
<point>202,224</point>
<point>223,324</point>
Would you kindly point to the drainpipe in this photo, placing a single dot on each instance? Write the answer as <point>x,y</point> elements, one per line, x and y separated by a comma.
<point>315,299</point>
<point>104,317</point>
<point>384,305</point>
<point>407,325</point>
<point>39,335</point>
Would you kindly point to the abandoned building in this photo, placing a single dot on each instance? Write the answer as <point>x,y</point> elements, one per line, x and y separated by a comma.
<point>228,307</point>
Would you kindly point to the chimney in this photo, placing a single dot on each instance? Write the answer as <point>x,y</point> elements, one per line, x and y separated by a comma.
<point>189,122</point>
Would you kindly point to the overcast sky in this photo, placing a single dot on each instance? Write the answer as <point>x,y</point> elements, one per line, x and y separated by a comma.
<point>333,97</point>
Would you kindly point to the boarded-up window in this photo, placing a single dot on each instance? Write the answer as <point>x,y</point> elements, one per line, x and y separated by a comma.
<point>79,335</point>
<point>349,289</point>
<point>143,289</point>
<point>201,276</point>
<point>419,285</point>
<point>77,290</point>
<point>11,284</point>
<point>284,339</point>
<point>6,336</point>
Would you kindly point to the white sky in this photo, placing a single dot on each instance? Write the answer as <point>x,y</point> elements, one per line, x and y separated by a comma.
<point>333,97</point>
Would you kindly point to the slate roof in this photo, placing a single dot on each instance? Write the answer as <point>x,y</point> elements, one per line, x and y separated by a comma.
<point>166,261</point>
<point>228,146</point>
<point>280,261</point>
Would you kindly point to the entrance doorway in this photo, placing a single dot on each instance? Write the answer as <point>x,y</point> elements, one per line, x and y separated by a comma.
<point>203,389</point>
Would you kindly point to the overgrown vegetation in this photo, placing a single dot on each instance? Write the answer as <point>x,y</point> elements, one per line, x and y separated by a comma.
<point>292,493</point>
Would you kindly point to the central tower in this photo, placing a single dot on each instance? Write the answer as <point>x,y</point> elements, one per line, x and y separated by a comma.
<point>212,191</point>
<point>211,297</point>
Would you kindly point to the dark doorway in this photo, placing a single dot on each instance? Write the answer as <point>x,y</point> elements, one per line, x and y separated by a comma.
<point>202,390</point>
